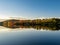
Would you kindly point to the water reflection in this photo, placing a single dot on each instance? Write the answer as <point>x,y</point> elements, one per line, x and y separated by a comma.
<point>37,27</point>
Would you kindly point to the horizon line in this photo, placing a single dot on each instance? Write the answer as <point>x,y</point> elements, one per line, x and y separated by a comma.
<point>28,18</point>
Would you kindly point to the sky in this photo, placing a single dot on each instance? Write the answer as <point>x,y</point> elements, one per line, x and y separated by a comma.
<point>29,8</point>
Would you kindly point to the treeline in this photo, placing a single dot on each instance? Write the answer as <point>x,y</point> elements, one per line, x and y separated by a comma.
<point>51,22</point>
<point>42,22</point>
<point>48,22</point>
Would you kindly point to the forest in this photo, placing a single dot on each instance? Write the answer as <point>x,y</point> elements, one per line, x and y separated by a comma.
<point>52,23</point>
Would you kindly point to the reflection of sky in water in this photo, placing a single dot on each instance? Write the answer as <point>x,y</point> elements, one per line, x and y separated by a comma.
<point>28,36</point>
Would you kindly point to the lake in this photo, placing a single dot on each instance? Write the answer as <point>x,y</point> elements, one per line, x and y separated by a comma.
<point>29,36</point>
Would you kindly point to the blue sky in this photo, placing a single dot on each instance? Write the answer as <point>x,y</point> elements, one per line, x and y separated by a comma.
<point>29,8</point>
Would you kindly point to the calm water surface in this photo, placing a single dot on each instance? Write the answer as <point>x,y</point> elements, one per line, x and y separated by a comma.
<point>29,37</point>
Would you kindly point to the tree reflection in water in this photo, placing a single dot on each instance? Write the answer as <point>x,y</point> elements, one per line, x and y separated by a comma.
<point>37,27</point>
